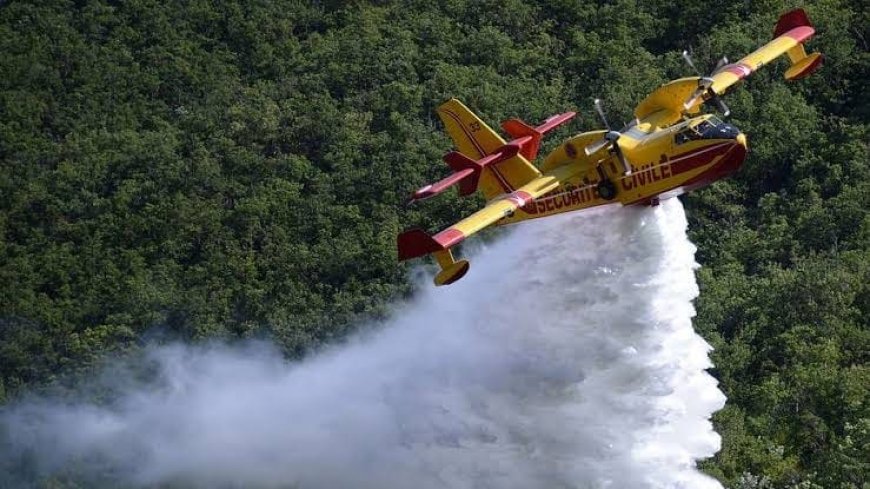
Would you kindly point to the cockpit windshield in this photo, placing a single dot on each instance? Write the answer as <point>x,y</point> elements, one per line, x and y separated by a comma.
<point>709,128</point>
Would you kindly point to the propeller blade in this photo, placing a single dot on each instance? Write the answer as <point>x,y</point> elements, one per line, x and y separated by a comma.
<point>720,104</point>
<point>705,87</point>
<point>626,168</point>
<point>689,61</point>
<point>692,100</point>
<point>601,113</point>
<point>704,84</point>
<point>720,64</point>
<point>596,147</point>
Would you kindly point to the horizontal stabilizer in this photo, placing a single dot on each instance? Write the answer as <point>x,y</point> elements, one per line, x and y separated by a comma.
<point>555,121</point>
<point>466,179</point>
<point>528,137</point>
<point>466,171</point>
<point>460,163</point>
<point>520,131</point>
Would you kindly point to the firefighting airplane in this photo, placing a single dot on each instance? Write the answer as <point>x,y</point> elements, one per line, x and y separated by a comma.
<point>667,150</point>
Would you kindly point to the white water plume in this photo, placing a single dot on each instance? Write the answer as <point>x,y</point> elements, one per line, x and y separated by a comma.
<point>565,359</point>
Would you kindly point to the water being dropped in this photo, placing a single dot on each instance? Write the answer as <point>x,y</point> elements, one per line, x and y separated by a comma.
<point>565,359</point>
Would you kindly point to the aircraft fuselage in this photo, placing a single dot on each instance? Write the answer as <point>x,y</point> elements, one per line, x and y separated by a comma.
<point>665,162</point>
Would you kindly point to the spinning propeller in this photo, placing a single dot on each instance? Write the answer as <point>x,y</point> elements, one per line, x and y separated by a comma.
<point>611,139</point>
<point>705,86</point>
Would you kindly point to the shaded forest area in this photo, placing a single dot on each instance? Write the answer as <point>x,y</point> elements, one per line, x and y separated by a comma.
<point>238,169</point>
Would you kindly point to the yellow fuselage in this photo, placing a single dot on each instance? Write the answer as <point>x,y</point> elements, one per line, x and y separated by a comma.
<point>665,162</point>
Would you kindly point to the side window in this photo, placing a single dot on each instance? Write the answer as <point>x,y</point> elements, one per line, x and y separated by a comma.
<point>683,136</point>
<point>691,133</point>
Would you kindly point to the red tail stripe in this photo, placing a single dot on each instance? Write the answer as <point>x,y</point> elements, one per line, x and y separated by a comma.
<point>481,153</point>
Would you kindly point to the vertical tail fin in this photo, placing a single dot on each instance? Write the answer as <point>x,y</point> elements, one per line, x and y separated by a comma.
<point>519,129</point>
<point>474,139</point>
<point>471,135</point>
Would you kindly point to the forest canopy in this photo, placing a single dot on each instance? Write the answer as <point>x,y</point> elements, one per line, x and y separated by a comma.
<point>237,169</point>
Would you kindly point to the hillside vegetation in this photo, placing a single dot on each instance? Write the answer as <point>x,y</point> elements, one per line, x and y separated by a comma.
<point>238,169</point>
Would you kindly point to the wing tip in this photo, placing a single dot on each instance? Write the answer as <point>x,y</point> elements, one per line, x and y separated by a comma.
<point>791,20</point>
<point>415,243</point>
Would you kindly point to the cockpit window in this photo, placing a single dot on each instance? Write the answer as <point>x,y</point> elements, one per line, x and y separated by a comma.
<point>686,135</point>
<point>702,130</point>
<point>715,121</point>
<point>703,127</point>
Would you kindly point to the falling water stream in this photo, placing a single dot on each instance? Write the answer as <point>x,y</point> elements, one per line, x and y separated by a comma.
<point>565,359</point>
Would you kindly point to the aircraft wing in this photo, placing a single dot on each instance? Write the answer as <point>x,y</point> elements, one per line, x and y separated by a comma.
<point>504,206</point>
<point>791,31</point>
<point>667,103</point>
<point>502,171</point>
<point>416,242</point>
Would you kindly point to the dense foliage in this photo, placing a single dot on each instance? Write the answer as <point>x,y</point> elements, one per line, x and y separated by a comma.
<point>237,168</point>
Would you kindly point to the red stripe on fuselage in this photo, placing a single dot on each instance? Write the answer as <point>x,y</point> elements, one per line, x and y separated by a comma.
<point>728,164</point>
<point>692,159</point>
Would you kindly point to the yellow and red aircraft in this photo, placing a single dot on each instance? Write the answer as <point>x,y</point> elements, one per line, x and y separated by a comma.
<point>667,150</point>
